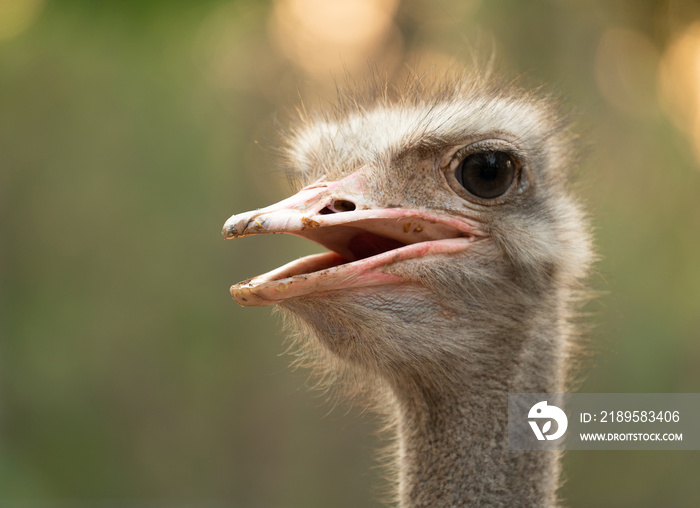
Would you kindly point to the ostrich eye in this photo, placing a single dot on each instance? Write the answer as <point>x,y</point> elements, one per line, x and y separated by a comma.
<point>487,174</point>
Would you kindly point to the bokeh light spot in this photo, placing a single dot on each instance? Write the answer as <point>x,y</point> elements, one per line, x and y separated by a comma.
<point>320,36</point>
<point>679,78</point>
<point>16,16</point>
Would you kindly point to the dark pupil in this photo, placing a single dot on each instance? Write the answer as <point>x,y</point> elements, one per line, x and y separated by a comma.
<point>486,175</point>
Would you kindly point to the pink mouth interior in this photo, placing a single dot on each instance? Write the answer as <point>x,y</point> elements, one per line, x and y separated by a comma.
<point>364,245</point>
<point>359,246</point>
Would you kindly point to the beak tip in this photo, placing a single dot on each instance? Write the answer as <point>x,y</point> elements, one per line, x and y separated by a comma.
<point>228,232</point>
<point>237,225</point>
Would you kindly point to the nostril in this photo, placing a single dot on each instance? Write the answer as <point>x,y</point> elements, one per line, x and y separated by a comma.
<point>338,206</point>
<point>342,205</point>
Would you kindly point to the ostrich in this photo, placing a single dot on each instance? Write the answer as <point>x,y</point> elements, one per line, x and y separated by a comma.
<point>456,259</point>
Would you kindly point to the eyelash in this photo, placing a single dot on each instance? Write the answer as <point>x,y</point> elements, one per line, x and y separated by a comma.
<point>483,146</point>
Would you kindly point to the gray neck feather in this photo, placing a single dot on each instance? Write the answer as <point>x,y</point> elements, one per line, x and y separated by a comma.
<point>452,447</point>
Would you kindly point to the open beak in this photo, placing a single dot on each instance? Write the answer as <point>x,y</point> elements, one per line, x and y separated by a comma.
<point>362,236</point>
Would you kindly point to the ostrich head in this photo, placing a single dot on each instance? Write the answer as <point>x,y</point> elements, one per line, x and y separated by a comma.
<point>455,248</point>
<point>448,222</point>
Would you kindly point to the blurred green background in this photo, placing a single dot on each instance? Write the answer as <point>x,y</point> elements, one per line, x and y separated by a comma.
<point>130,130</point>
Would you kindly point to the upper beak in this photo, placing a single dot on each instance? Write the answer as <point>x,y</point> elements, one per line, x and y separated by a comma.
<point>295,213</point>
<point>344,204</point>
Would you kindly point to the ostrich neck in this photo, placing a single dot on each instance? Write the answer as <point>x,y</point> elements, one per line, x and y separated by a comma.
<point>453,447</point>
